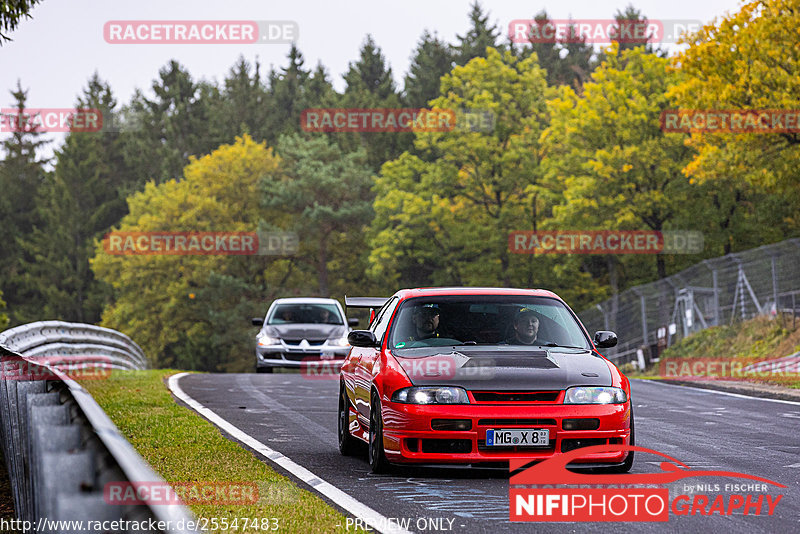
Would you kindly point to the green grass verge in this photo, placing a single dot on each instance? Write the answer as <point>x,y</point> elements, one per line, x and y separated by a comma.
<point>183,447</point>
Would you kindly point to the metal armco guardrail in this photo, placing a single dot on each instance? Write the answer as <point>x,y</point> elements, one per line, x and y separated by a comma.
<point>60,448</point>
<point>57,339</point>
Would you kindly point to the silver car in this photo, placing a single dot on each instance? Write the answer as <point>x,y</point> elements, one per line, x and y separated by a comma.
<point>299,331</point>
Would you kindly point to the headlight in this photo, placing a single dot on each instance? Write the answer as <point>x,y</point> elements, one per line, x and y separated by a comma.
<point>595,395</point>
<point>265,341</point>
<point>431,395</point>
<point>339,342</point>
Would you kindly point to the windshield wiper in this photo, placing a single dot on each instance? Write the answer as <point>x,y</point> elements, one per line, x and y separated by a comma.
<point>563,346</point>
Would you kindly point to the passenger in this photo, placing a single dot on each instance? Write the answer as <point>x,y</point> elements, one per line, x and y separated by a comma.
<point>526,328</point>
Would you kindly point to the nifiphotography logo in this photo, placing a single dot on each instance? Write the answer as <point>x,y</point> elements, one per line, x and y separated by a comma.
<point>548,491</point>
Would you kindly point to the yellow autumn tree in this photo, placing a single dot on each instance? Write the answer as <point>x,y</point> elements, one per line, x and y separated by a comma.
<point>749,60</point>
<point>190,311</point>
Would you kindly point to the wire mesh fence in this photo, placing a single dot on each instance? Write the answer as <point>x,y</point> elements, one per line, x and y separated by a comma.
<point>648,318</point>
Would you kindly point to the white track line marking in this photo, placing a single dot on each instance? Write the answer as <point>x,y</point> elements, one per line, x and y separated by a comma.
<point>717,392</point>
<point>355,508</point>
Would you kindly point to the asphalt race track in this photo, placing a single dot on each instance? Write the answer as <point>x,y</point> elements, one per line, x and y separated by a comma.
<point>296,416</point>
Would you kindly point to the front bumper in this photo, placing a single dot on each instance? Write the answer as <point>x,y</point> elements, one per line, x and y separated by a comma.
<point>296,356</point>
<point>410,438</point>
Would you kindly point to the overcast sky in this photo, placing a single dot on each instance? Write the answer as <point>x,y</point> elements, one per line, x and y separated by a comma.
<point>55,52</point>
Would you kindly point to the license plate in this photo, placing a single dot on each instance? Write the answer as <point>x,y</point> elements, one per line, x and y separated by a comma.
<point>518,437</point>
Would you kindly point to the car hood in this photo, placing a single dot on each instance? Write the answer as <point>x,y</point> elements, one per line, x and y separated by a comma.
<point>310,332</point>
<point>503,368</point>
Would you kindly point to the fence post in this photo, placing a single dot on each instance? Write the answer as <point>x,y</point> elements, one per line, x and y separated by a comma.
<point>643,309</point>
<point>713,270</point>
<point>774,284</point>
<point>605,317</point>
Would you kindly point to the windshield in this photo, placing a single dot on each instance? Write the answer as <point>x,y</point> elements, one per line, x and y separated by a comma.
<point>485,320</point>
<point>305,313</point>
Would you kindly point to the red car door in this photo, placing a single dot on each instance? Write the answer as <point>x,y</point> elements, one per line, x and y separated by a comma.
<point>368,357</point>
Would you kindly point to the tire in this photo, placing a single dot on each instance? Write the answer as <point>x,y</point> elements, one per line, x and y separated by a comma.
<point>628,463</point>
<point>376,455</point>
<point>264,370</point>
<point>348,445</point>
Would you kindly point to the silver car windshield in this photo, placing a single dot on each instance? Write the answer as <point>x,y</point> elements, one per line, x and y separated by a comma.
<point>306,314</point>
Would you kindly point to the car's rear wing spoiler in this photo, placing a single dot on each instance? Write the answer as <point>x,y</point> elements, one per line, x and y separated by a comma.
<point>372,303</point>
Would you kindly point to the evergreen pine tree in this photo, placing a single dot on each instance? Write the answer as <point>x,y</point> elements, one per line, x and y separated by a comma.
<point>21,177</point>
<point>431,60</point>
<point>370,84</point>
<point>78,203</point>
<point>480,35</point>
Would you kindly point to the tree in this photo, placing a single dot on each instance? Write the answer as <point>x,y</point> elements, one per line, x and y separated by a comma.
<point>242,105</point>
<point>80,201</point>
<point>478,38</point>
<point>431,60</point>
<point>319,90</point>
<point>286,91</point>
<point>3,317</point>
<point>22,175</point>
<point>446,220</point>
<point>11,13</point>
<point>370,73</point>
<point>631,19</point>
<point>616,168</point>
<point>567,62</point>
<point>747,61</point>
<point>170,127</point>
<point>326,195</point>
<point>179,307</point>
<point>370,85</point>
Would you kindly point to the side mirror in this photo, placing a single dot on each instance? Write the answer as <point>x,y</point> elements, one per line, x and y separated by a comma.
<point>258,321</point>
<point>353,321</point>
<point>362,338</point>
<point>604,339</point>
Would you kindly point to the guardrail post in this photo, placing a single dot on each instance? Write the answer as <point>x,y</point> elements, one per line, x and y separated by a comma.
<point>34,399</point>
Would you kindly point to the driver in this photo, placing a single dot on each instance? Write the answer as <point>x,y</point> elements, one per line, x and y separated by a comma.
<point>325,316</point>
<point>526,328</point>
<point>426,322</point>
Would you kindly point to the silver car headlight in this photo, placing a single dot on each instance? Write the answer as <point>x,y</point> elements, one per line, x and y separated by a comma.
<point>595,395</point>
<point>339,342</point>
<point>265,341</point>
<point>431,395</point>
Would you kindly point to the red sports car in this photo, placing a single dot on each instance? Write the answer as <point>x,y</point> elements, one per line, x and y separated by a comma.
<point>480,376</point>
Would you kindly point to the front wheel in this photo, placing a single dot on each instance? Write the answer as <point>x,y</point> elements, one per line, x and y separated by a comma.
<point>348,445</point>
<point>377,456</point>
